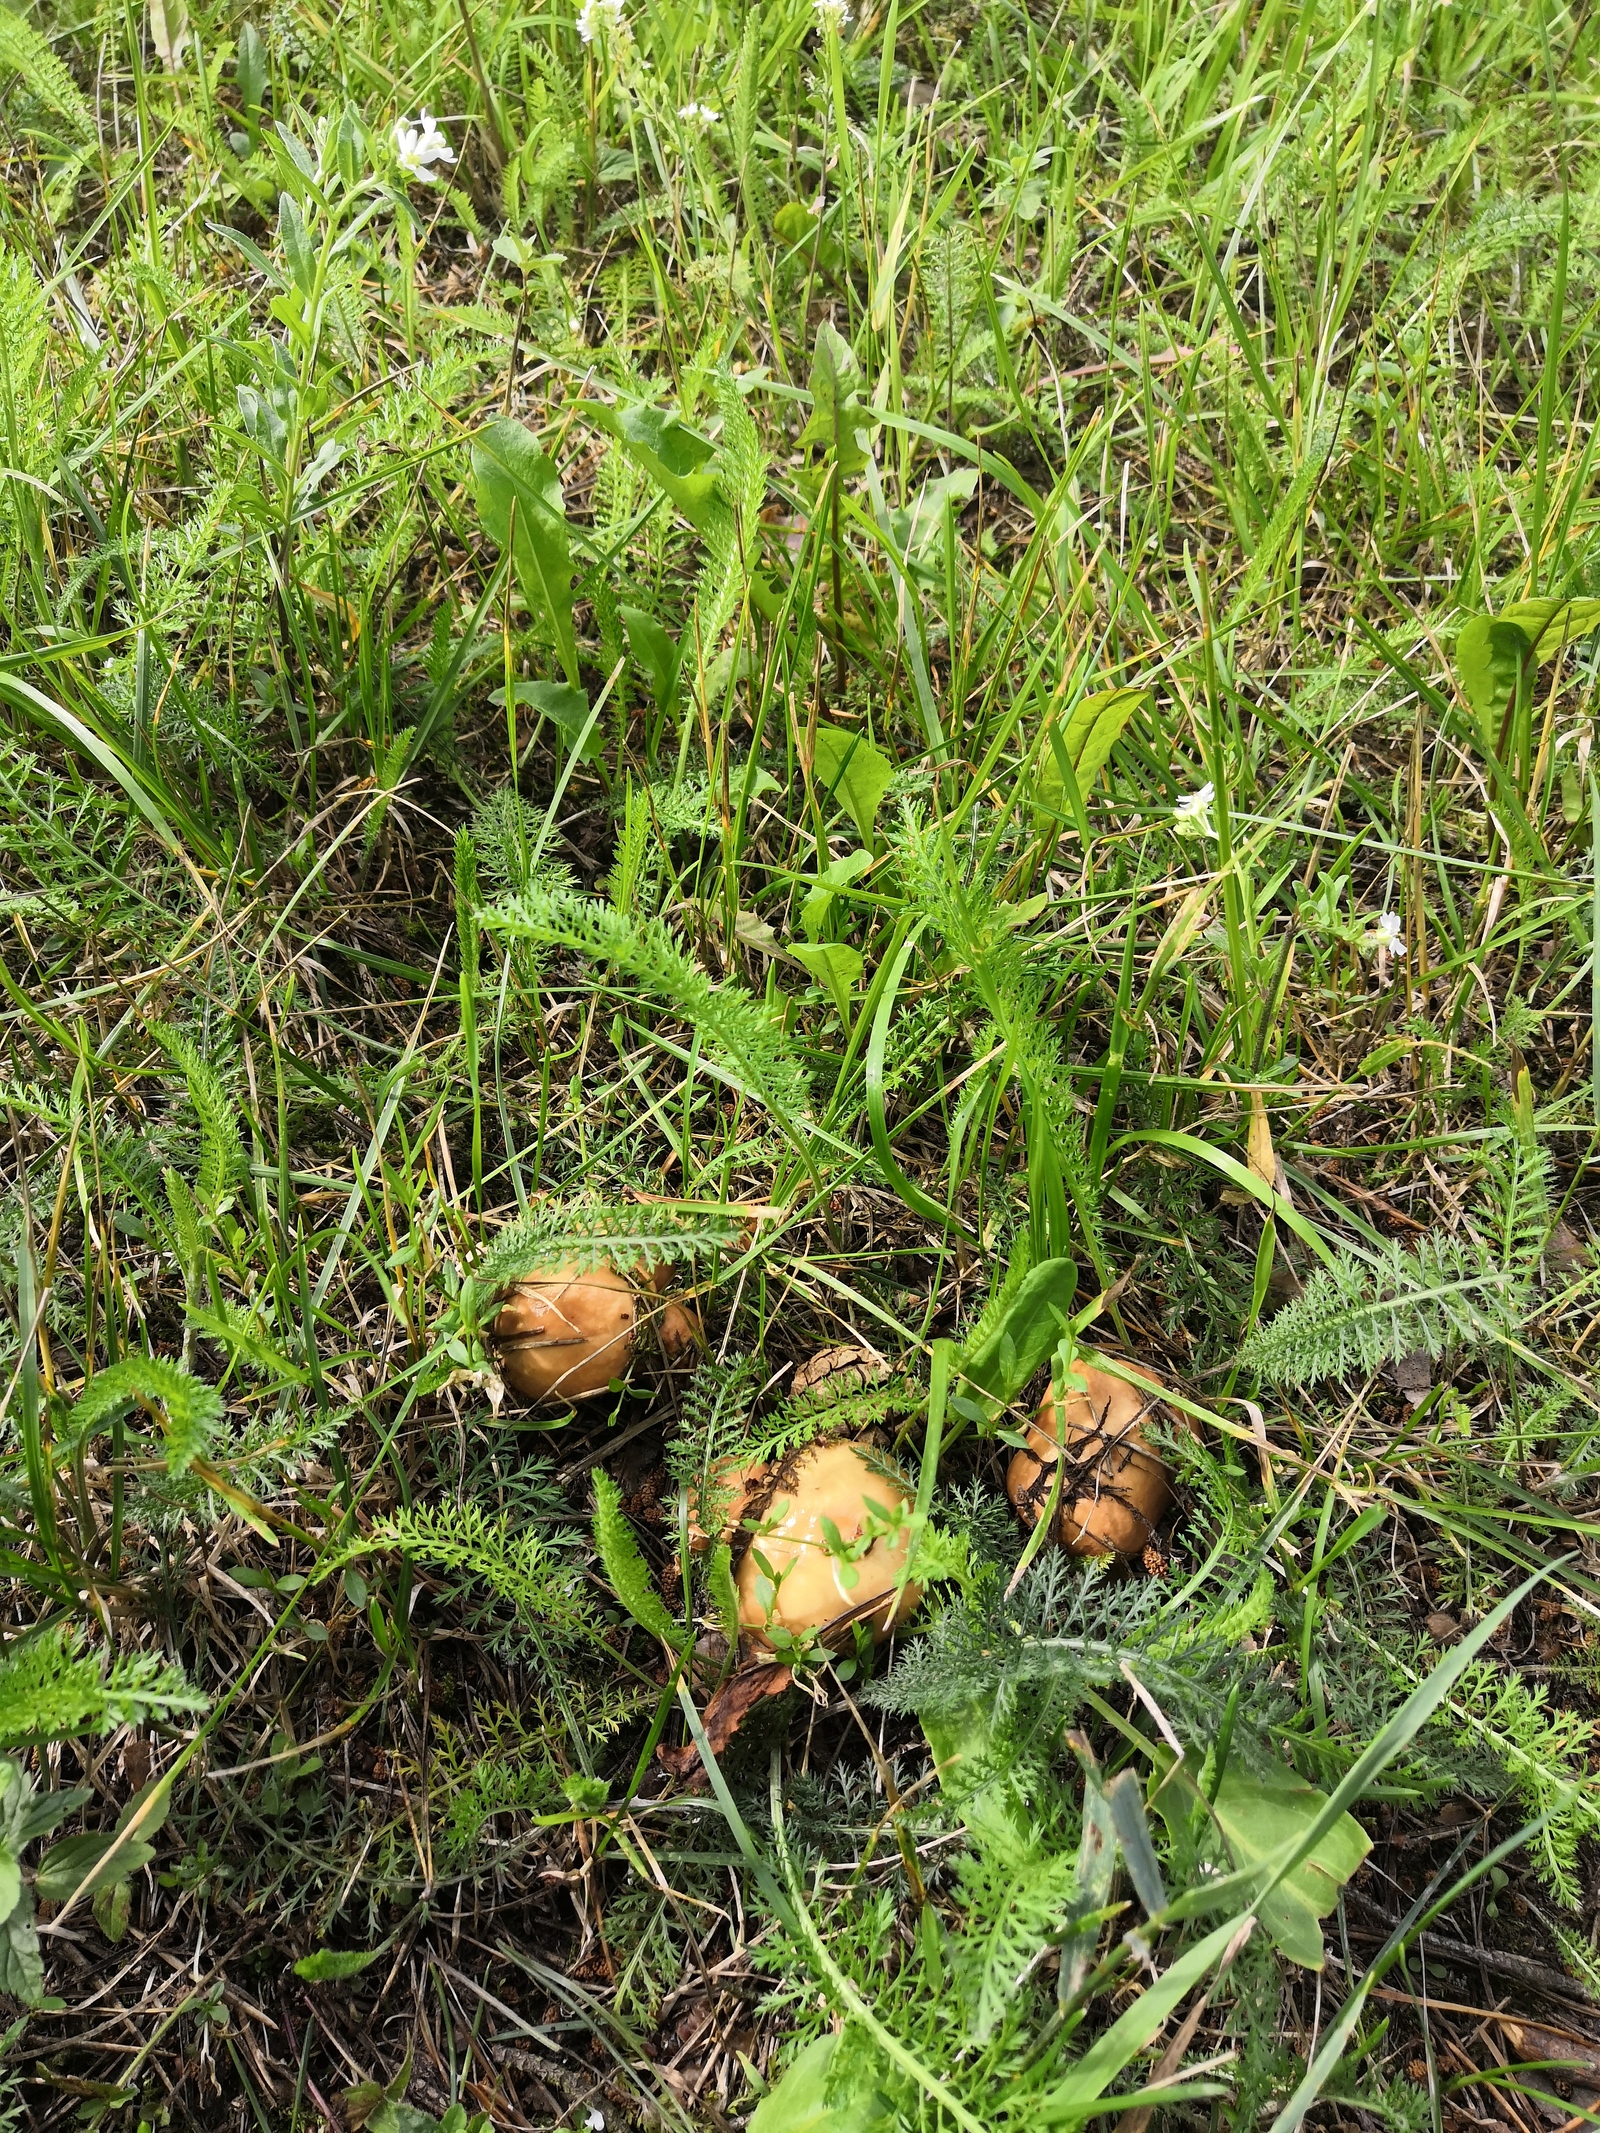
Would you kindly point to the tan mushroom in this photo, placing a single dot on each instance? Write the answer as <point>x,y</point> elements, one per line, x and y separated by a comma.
<point>678,1333</point>
<point>1116,1489</point>
<point>677,1326</point>
<point>799,1580</point>
<point>832,1372</point>
<point>733,1485</point>
<point>566,1332</point>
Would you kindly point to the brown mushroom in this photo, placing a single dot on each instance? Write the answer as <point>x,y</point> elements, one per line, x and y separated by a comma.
<point>797,1581</point>
<point>733,1486</point>
<point>1116,1489</point>
<point>565,1332</point>
<point>677,1326</point>
<point>678,1332</point>
<point>832,1372</point>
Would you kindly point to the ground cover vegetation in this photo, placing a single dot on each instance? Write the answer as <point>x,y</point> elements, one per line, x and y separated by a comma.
<point>925,679</point>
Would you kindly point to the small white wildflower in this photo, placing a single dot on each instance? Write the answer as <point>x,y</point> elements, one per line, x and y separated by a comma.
<point>601,18</point>
<point>596,2122</point>
<point>1192,815</point>
<point>832,15</point>
<point>699,115</point>
<point>417,146</point>
<point>1388,937</point>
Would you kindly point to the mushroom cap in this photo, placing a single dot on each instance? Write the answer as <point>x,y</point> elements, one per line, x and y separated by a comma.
<point>733,1484</point>
<point>820,1592</point>
<point>678,1332</point>
<point>1117,1489</point>
<point>837,1371</point>
<point>564,1332</point>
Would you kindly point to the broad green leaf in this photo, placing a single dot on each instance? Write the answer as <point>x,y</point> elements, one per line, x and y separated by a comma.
<point>1095,726</point>
<point>21,1966</point>
<point>1550,625</point>
<point>857,774</point>
<point>994,1803</point>
<point>800,2101</point>
<point>298,248</point>
<point>1126,1802</point>
<point>330,1963</point>
<point>1489,657</point>
<point>794,222</point>
<point>663,446</point>
<point>519,496</point>
<point>839,423</point>
<point>10,1879</point>
<point>149,1807</point>
<point>1027,1335</point>
<point>655,654</point>
<point>818,902</point>
<point>112,1906</point>
<point>406,2118</point>
<point>250,68</point>
<point>566,708</point>
<point>80,1864</point>
<point>1261,1816</point>
<point>1493,650</point>
<point>921,528</point>
<point>807,237</point>
<point>834,965</point>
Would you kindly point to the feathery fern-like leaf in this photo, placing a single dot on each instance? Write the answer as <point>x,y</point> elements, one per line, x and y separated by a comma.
<point>27,52</point>
<point>732,531</point>
<point>223,1163</point>
<point>625,1568</point>
<point>192,1409</point>
<point>735,1028</point>
<point>981,933</point>
<point>519,1567</point>
<point>586,1234</point>
<point>1354,1316</point>
<point>722,1592</point>
<point>1016,1908</point>
<point>54,1687</point>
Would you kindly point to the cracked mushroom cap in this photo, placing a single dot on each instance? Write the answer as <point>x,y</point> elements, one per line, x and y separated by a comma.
<point>799,1577</point>
<point>1116,1488</point>
<point>564,1332</point>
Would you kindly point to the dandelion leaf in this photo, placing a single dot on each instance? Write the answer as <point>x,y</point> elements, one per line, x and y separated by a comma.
<point>825,2090</point>
<point>1261,1816</point>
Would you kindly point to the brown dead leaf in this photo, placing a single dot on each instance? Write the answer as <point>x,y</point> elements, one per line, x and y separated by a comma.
<point>1262,1160</point>
<point>722,1718</point>
<point>1533,2040</point>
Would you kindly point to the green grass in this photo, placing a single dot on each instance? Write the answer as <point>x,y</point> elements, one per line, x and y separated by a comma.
<point>841,656</point>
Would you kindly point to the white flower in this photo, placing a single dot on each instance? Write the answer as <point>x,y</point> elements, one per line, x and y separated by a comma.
<point>832,15</point>
<point>699,115</point>
<point>1388,937</point>
<point>601,18</point>
<point>596,2122</point>
<point>417,146</point>
<point>1192,815</point>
